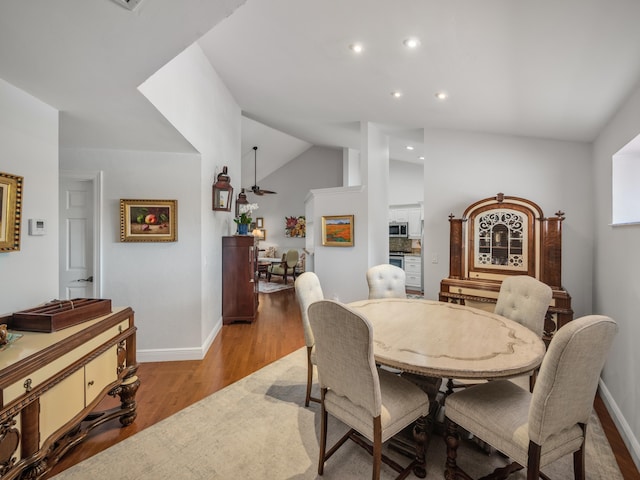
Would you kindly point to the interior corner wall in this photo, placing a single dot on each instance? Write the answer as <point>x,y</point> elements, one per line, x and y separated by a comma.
<point>160,281</point>
<point>191,95</point>
<point>616,282</point>
<point>462,168</point>
<point>317,167</point>
<point>406,183</point>
<point>29,148</point>
<point>341,270</point>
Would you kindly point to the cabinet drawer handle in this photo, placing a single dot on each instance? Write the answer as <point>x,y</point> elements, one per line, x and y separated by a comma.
<point>91,382</point>
<point>27,385</point>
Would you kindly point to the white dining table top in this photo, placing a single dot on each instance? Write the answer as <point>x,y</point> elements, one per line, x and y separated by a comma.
<point>447,340</point>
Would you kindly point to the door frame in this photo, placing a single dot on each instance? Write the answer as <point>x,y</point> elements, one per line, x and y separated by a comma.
<point>96,179</point>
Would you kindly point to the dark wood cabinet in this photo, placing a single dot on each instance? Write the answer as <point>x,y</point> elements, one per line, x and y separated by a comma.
<point>239,279</point>
<point>501,236</point>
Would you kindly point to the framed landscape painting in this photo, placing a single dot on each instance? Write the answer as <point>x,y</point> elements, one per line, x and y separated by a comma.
<point>10,211</point>
<point>148,220</point>
<point>337,231</point>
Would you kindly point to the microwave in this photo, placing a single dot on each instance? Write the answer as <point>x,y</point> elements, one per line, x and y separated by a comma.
<point>399,229</point>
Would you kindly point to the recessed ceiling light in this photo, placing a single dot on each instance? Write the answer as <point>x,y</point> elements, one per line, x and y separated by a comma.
<point>396,94</point>
<point>409,147</point>
<point>356,47</point>
<point>441,95</point>
<point>411,42</point>
<point>421,158</point>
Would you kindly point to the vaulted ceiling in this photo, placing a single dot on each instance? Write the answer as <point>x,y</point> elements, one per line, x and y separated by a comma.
<point>549,68</point>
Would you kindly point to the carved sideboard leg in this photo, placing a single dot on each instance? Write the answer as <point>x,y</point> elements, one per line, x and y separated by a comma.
<point>128,391</point>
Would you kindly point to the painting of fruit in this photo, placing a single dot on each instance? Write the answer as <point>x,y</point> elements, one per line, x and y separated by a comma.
<point>148,220</point>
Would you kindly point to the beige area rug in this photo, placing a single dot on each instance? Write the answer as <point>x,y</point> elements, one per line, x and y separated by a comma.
<point>271,287</point>
<point>258,428</point>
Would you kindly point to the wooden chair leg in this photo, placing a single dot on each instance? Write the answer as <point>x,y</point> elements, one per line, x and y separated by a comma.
<point>377,447</point>
<point>578,458</point>
<point>309,377</point>
<point>533,461</point>
<point>323,434</point>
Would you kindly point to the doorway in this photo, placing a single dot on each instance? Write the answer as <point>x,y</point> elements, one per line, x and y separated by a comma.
<point>80,207</point>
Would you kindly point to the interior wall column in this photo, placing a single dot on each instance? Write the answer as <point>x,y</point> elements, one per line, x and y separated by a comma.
<point>350,167</point>
<point>374,173</point>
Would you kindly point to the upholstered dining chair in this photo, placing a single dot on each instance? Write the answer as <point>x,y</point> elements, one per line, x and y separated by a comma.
<point>308,290</point>
<point>375,403</point>
<point>386,281</point>
<point>535,429</point>
<point>286,267</point>
<point>525,300</point>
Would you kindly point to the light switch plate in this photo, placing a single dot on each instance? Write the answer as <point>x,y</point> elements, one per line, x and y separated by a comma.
<point>37,226</point>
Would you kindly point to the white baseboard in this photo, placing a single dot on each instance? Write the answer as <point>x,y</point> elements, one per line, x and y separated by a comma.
<point>178,354</point>
<point>622,425</point>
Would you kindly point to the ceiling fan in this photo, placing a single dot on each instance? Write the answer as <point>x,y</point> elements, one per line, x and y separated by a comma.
<point>255,188</point>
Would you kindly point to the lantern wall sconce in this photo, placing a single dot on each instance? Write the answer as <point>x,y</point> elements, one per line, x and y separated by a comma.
<point>241,200</point>
<point>222,192</point>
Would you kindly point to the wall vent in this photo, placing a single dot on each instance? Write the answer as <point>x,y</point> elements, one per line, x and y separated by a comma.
<point>129,4</point>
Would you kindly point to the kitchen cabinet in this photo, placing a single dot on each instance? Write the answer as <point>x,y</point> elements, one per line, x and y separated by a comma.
<point>51,384</point>
<point>411,215</point>
<point>415,222</point>
<point>239,278</point>
<point>413,271</point>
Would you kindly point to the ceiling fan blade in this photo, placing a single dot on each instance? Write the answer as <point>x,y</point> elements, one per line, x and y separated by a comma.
<point>267,191</point>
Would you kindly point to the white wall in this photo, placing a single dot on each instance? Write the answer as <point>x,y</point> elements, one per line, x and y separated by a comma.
<point>461,168</point>
<point>616,282</point>
<point>191,95</point>
<point>29,148</point>
<point>406,182</point>
<point>341,270</point>
<point>317,167</point>
<point>160,281</point>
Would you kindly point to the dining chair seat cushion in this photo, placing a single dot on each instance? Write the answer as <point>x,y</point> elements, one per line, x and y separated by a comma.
<point>402,402</point>
<point>498,413</point>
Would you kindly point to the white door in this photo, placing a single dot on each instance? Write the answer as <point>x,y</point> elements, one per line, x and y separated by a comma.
<point>76,238</point>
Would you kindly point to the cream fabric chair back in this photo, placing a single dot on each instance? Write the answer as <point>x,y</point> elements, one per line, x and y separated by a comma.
<point>308,291</point>
<point>568,377</point>
<point>344,354</point>
<point>386,281</point>
<point>525,300</point>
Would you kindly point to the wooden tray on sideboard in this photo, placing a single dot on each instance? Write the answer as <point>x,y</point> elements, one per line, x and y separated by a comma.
<point>59,314</point>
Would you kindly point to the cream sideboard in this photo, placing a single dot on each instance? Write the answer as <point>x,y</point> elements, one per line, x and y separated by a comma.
<point>51,383</point>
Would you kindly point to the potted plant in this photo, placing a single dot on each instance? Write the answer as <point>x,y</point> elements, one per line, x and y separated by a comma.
<point>244,220</point>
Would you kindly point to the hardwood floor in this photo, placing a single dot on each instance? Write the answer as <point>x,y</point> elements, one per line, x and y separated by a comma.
<point>239,350</point>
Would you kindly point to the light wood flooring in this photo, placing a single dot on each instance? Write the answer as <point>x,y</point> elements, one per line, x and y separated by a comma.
<point>239,350</point>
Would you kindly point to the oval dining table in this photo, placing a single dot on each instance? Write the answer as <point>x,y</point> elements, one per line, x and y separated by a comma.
<point>446,340</point>
<point>439,339</point>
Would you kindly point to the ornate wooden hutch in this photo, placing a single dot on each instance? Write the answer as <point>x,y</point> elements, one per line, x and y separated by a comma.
<point>501,236</point>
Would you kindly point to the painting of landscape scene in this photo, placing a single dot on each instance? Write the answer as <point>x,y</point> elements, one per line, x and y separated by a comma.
<point>337,231</point>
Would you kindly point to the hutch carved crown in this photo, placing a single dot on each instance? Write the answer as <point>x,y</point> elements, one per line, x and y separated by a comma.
<point>501,236</point>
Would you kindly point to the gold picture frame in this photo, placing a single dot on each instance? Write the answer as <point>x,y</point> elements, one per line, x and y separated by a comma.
<point>10,211</point>
<point>337,231</point>
<point>148,220</point>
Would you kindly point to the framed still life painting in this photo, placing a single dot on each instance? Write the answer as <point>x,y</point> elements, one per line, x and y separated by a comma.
<point>337,231</point>
<point>148,220</point>
<point>10,211</point>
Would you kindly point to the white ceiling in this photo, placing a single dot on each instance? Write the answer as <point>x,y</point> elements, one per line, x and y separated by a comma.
<point>544,68</point>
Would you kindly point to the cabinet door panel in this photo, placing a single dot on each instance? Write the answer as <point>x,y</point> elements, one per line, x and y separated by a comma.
<point>101,372</point>
<point>61,404</point>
